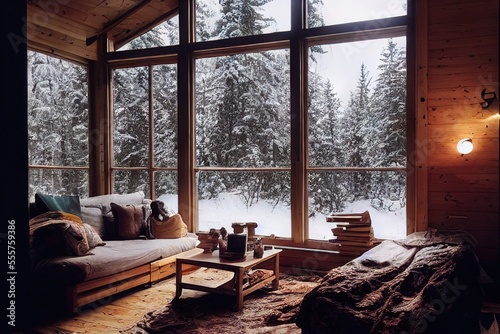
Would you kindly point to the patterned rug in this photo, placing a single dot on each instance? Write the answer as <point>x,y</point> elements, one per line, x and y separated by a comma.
<point>264,311</point>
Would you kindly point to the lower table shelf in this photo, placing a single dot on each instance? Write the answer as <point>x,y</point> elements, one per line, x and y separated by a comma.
<point>221,276</point>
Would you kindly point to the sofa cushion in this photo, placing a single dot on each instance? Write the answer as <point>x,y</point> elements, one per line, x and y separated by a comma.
<point>93,237</point>
<point>103,220</point>
<point>94,217</point>
<point>168,227</point>
<point>65,203</point>
<point>75,239</point>
<point>104,201</point>
<point>129,220</point>
<point>112,258</point>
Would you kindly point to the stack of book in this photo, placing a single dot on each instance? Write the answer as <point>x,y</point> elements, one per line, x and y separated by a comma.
<point>353,232</point>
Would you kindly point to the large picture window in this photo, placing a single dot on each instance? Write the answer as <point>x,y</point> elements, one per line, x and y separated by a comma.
<point>289,111</point>
<point>58,124</point>
<point>357,134</point>
<point>243,140</point>
<point>144,122</point>
<point>228,18</point>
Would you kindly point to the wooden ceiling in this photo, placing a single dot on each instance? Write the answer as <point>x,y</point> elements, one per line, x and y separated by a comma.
<point>70,28</point>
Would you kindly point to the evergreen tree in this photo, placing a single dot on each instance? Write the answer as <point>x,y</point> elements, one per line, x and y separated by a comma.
<point>356,135</point>
<point>166,33</point>
<point>58,124</point>
<point>127,135</point>
<point>246,106</point>
<point>204,12</point>
<point>327,190</point>
<point>314,16</point>
<point>389,104</point>
<point>241,18</point>
<point>131,127</point>
<point>165,127</point>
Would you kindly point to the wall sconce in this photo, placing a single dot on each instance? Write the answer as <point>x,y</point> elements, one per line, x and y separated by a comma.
<point>488,98</point>
<point>465,146</point>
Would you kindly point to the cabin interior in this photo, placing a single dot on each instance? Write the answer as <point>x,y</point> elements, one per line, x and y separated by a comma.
<point>452,56</point>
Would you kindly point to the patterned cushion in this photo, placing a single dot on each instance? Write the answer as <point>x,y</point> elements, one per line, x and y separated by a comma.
<point>75,239</point>
<point>93,237</point>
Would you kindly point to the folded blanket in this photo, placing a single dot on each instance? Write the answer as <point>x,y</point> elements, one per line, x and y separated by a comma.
<point>57,233</point>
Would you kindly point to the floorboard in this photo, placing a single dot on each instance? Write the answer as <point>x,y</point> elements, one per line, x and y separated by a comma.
<point>126,309</point>
<point>110,316</point>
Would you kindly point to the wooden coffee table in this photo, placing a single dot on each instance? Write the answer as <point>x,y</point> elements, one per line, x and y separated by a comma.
<point>270,260</point>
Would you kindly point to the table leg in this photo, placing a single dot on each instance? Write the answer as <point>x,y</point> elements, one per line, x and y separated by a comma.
<point>178,278</point>
<point>276,282</point>
<point>239,288</point>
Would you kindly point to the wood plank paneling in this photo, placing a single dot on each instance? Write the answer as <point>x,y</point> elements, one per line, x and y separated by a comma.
<point>460,219</point>
<point>62,27</point>
<point>463,60</point>
<point>300,262</point>
<point>459,181</point>
<point>471,201</point>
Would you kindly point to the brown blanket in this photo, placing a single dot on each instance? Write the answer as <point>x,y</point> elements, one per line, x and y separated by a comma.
<point>426,283</point>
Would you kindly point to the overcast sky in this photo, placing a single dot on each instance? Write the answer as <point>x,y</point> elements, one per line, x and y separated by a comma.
<point>342,62</point>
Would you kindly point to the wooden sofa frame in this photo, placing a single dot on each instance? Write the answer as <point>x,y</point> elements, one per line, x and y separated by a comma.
<point>101,288</point>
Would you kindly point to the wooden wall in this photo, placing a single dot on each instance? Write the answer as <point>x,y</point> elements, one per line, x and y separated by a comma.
<point>463,59</point>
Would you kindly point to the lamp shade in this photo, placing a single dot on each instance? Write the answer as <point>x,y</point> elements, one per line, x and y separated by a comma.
<point>465,146</point>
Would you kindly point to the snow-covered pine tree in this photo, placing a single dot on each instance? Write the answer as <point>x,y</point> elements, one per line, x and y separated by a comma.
<point>356,135</point>
<point>327,190</point>
<point>247,108</point>
<point>389,104</point>
<point>131,127</point>
<point>165,126</point>
<point>58,124</point>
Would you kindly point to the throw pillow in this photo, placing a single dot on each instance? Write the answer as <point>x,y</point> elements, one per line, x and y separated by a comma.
<point>93,237</point>
<point>168,227</point>
<point>75,239</point>
<point>64,203</point>
<point>129,220</point>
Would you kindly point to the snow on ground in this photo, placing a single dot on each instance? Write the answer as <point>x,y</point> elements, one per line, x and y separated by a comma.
<point>228,208</point>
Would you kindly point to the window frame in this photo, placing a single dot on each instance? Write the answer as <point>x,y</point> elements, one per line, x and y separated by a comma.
<point>298,39</point>
<point>347,37</point>
<point>151,168</point>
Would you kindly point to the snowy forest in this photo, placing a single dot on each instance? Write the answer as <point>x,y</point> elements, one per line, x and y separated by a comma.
<point>242,121</point>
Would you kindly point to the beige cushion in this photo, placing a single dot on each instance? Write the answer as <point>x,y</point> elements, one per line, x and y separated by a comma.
<point>93,237</point>
<point>168,228</point>
<point>75,239</point>
<point>105,201</point>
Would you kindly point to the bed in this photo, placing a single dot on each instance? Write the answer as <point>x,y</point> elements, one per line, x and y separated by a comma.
<point>428,282</point>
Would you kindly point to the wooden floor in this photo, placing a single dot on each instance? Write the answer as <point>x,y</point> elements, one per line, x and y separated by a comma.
<point>126,309</point>
<point>112,315</point>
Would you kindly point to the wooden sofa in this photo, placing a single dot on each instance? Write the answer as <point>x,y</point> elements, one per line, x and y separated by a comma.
<point>109,268</point>
<point>80,294</point>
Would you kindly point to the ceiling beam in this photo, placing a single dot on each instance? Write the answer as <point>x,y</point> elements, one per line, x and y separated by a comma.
<point>117,21</point>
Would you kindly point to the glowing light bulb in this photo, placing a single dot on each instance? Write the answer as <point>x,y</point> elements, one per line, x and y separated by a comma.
<point>465,146</point>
